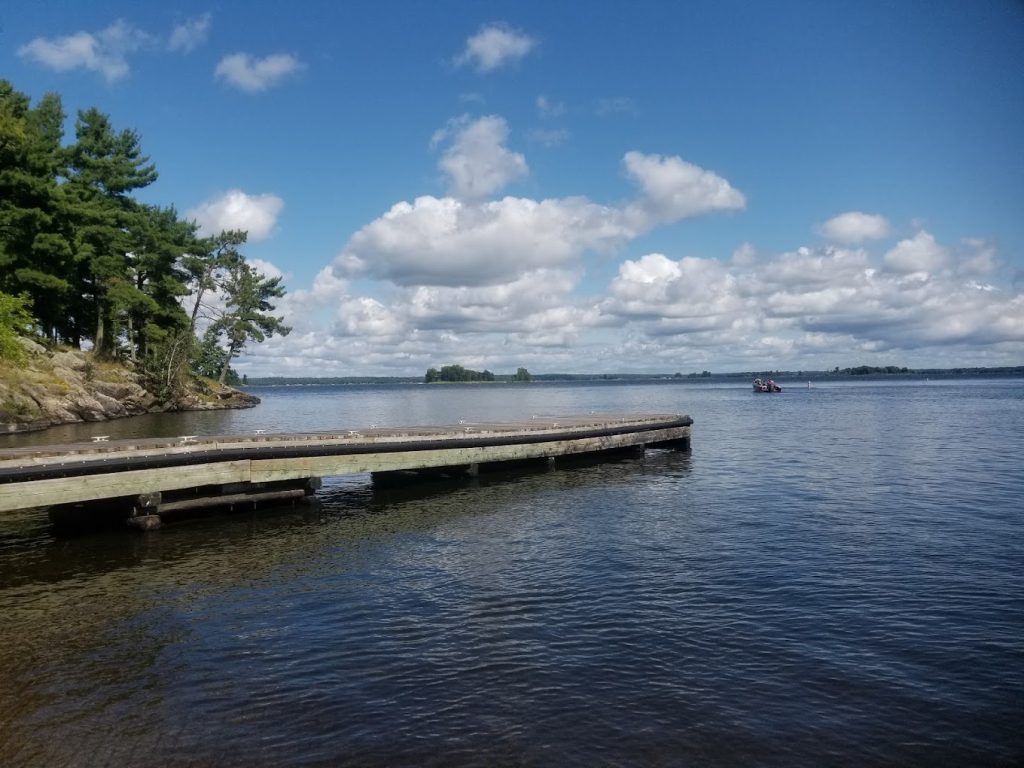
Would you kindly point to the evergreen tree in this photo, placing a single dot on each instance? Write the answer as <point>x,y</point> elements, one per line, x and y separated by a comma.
<point>207,265</point>
<point>210,357</point>
<point>15,320</point>
<point>249,297</point>
<point>93,263</point>
<point>104,167</point>
<point>35,252</point>
<point>151,299</point>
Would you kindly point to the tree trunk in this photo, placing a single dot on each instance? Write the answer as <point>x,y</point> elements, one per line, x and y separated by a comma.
<point>131,339</point>
<point>195,310</point>
<point>100,339</point>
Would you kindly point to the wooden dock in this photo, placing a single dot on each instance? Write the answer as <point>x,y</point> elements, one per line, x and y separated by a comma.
<point>154,476</point>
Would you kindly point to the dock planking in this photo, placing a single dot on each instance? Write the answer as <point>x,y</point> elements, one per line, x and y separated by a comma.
<point>160,474</point>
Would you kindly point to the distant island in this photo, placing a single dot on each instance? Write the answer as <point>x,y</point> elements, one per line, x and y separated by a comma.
<point>456,373</point>
<point>860,371</point>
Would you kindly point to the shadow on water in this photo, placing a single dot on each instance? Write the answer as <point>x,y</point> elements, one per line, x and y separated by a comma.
<point>35,550</point>
<point>130,604</point>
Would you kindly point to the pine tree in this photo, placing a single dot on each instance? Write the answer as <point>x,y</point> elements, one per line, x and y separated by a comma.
<point>207,265</point>
<point>104,168</point>
<point>248,302</point>
<point>35,248</point>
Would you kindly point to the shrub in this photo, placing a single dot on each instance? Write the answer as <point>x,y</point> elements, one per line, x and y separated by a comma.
<point>15,320</point>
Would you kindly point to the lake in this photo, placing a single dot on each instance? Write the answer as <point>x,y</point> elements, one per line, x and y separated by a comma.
<point>833,576</point>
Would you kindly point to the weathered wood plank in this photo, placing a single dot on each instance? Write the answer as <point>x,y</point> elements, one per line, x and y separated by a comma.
<point>59,475</point>
<point>71,490</point>
<point>264,470</point>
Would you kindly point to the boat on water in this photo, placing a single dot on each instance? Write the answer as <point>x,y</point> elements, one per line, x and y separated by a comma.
<point>766,385</point>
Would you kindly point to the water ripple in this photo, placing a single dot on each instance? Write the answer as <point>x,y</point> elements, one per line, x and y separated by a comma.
<point>828,579</point>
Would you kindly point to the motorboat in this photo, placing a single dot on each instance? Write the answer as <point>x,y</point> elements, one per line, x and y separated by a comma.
<point>766,385</point>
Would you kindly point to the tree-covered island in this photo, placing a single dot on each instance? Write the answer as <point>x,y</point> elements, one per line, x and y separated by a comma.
<point>85,266</point>
<point>456,373</point>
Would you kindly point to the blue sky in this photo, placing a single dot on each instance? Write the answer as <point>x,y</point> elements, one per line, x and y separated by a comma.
<point>577,186</point>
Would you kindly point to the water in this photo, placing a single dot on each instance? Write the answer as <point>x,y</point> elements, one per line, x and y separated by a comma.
<point>832,577</point>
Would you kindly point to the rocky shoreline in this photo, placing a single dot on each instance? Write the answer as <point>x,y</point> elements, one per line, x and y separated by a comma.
<point>67,387</point>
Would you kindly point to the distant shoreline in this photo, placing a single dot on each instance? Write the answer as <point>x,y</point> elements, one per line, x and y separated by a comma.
<point>847,374</point>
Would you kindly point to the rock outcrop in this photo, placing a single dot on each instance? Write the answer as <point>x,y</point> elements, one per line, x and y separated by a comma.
<point>70,386</point>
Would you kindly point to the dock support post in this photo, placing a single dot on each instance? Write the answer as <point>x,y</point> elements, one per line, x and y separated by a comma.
<point>146,503</point>
<point>145,522</point>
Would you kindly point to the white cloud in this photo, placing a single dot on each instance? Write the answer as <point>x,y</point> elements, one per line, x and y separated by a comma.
<point>190,34</point>
<point>808,309</point>
<point>104,52</point>
<point>256,214</point>
<point>494,46</point>
<point>675,189</point>
<point>855,227</point>
<point>501,283</point>
<point>790,310</point>
<point>477,163</point>
<point>465,242</point>
<point>513,306</point>
<point>978,257</point>
<point>918,254</point>
<point>266,268</point>
<point>684,295</point>
<point>444,241</point>
<point>549,108</point>
<point>745,255</point>
<point>252,74</point>
<point>368,318</point>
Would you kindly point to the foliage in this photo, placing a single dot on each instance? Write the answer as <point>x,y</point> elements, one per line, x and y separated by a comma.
<point>103,168</point>
<point>246,318</point>
<point>97,266</point>
<point>457,373</point>
<point>522,375</point>
<point>209,357</point>
<point>206,267</point>
<point>165,368</point>
<point>15,320</point>
<point>865,370</point>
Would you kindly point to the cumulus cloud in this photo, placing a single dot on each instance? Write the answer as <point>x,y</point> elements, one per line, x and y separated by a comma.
<point>498,283</point>
<point>810,308</point>
<point>674,189</point>
<point>190,34</point>
<point>367,318</point>
<point>494,46</point>
<point>477,163</point>
<point>808,303</point>
<point>266,268</point>
<point>253,75</point>
<point>978,257</point>
<point>444,241</point>
<point>464,241</point>
<point>511,306</point>
<point>685,295</point>
<point>855,227</point>
<point>918,254</point>
<point>256,214</point>
<point>105,52</point>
